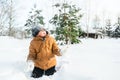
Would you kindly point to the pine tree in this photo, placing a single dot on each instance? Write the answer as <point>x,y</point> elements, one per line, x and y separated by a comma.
<point>116,33</point>
<point>67,23</point>
<point>35,19</point>
<point>108,27</point>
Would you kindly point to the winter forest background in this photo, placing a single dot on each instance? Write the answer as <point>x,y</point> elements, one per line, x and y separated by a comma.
<point>67,20</point>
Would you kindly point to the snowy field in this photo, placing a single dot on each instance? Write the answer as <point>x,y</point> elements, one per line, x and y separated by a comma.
<point>93,59</point>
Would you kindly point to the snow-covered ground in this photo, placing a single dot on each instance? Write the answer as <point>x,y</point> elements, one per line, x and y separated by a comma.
<point>93,59</point>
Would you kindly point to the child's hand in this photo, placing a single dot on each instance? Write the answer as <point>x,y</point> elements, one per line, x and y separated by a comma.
<point>64,50</point>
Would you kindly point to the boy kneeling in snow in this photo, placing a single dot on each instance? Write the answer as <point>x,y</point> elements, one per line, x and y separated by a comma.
<point>42,51</point>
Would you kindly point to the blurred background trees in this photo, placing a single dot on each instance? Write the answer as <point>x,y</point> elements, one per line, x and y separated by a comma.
<point>66,21</point>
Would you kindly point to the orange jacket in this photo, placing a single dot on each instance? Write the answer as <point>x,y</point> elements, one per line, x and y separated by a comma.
<point>42,52</point>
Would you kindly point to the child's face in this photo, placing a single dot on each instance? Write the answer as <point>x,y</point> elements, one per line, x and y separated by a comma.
<point>42,33</point>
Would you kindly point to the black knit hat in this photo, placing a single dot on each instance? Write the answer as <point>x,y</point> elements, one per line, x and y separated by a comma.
<point>35,31</point>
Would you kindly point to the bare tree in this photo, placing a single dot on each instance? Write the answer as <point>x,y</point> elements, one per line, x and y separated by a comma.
<point>7,18</point>
<point>11,18</point>
<point>96,24</point>
<point>3,16</point>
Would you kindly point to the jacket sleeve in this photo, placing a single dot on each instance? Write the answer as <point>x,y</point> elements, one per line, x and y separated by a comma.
<point>55,48</point>
<point>32,53</point>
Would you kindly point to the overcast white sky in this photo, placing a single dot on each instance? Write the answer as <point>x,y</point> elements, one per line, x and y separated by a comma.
<point>102,8</point>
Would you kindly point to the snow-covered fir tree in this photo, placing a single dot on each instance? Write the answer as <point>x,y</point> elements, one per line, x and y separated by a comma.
<point>108,27</point>
<point>67,23</point>
<point>35,19</point>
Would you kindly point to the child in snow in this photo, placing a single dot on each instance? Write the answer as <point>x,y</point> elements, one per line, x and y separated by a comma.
<point>42,51</point>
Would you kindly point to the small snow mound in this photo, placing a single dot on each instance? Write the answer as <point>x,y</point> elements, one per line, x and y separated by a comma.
<point>19,76</point>
<point>12,75</point>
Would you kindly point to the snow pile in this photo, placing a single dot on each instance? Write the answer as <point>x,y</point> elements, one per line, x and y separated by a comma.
<point>93,59</point>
